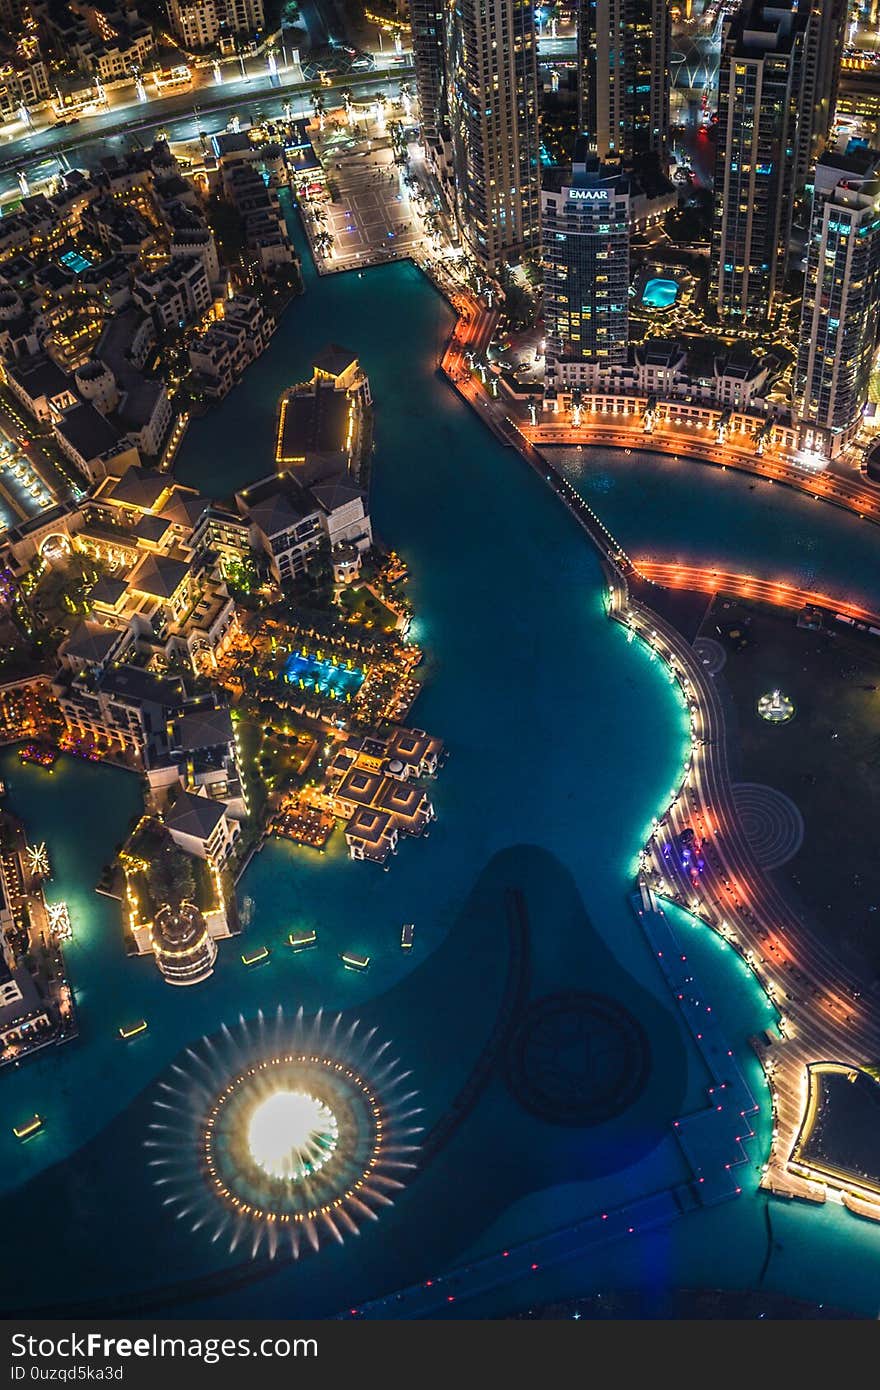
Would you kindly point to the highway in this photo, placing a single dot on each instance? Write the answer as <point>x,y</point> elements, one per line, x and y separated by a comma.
<point>185,114</point>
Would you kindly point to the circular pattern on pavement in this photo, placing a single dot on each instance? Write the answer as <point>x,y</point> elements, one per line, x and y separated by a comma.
<point>710,654</point>
<point>771,822</point>
<point>578,1059</point>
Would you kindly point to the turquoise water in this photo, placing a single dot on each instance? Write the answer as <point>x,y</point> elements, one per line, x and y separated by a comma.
<point>660,294</point>
<point>564,740</point>
<point>327,677</point>
<point>685,511</point>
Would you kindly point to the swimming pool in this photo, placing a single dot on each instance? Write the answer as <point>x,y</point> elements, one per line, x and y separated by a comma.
<point>325,676</point>
<point>660,294</point>
<point>75,262</point>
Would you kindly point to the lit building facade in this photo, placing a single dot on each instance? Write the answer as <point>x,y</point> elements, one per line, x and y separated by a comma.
<point>492,86</point>
<point>623,77</point>
<point>199,23</point>
<point>841,303</point>
<point>426,21</point>
<point>759,82</point>
<point>184,949</point>
<point>823,51</point>
<point>585,226</point>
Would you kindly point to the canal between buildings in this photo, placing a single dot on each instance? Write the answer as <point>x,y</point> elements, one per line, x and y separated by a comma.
<point>564,740</point>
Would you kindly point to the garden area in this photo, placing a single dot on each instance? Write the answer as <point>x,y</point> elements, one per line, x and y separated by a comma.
<point>361,605</point>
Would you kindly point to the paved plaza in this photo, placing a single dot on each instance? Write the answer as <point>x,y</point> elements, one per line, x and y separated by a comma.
<point>367,209</point>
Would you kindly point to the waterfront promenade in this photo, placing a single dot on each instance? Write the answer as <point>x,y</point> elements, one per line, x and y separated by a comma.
<point>839,485</point>
<point>828,1017</point>
<point>779,592</point>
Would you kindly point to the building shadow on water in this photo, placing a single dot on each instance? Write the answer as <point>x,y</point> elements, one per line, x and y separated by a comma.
<point>92,1234</point>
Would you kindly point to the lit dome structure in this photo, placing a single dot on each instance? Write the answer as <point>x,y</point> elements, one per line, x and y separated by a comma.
<point>283,1130</point>
<point>184,949</point>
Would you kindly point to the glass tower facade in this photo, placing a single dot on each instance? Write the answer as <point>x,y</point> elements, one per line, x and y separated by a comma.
<point>492,90</point>
<point>841,304</point>
<point>585,223</point>
<point>758,90</point>
<point>623,77</point>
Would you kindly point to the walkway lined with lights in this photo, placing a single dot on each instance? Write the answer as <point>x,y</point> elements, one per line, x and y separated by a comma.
<point>775,591</point>
<point>851,491</point>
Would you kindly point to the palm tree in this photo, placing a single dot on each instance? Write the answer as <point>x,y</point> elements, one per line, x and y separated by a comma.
<point>346,95</point>
<point>317,100</point>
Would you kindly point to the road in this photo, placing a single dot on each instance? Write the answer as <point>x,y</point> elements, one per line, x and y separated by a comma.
<point>185,114</point>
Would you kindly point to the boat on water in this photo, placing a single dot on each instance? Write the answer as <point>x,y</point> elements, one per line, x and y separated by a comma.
<point>406,936</point>
<point>299,940</point>
<point>254,957</point>
<point>28,1128</point>
<point>353,962</point>
<point>133,1030</point>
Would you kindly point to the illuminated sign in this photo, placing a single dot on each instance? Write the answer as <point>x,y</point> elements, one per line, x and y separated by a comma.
<point>589,195</point>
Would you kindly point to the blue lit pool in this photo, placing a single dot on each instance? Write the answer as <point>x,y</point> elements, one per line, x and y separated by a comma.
<point>326,677</point>
<point>660,294</point>
<point>75,262</point>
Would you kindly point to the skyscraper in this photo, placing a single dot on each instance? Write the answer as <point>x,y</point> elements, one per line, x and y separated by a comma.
<point>492,89</point>
<point>426,19</point>
<point>823,50</point>
<point>841,301</point>
<point>758,92</point>
<point>623,77</point>
<point>585,231</point>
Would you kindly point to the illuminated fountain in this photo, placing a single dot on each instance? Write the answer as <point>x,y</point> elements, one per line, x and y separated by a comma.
<point>282,1130</point>
<point>776,708</point>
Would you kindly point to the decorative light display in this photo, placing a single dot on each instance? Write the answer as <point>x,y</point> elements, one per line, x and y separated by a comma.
<point>38,860</point>
<point>282,1131</point>
<point>59,920</point>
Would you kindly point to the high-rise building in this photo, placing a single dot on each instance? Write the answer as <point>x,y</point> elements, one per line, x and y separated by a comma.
<point>841,301</point>
<point>585,228</point>
<point>426,20</point>
<point>823,50</point>
<point>623,77</point>
<point>758,93</point>
<point>492,90</point>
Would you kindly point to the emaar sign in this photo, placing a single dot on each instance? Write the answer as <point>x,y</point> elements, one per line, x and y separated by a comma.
<point>589,195</point>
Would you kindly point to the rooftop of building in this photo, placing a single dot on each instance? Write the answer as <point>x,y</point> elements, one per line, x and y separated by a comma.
<point>39,376</point>
<point>193,815</point>
<point>159,575</point>
<point>87,431</point>
<point>108,591</point>
<point>140,487</point>
<point>91,642</point>
<point>312,419</point>
<point>334,360</point>
<point>203,728</point>
<point>142,687</point>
